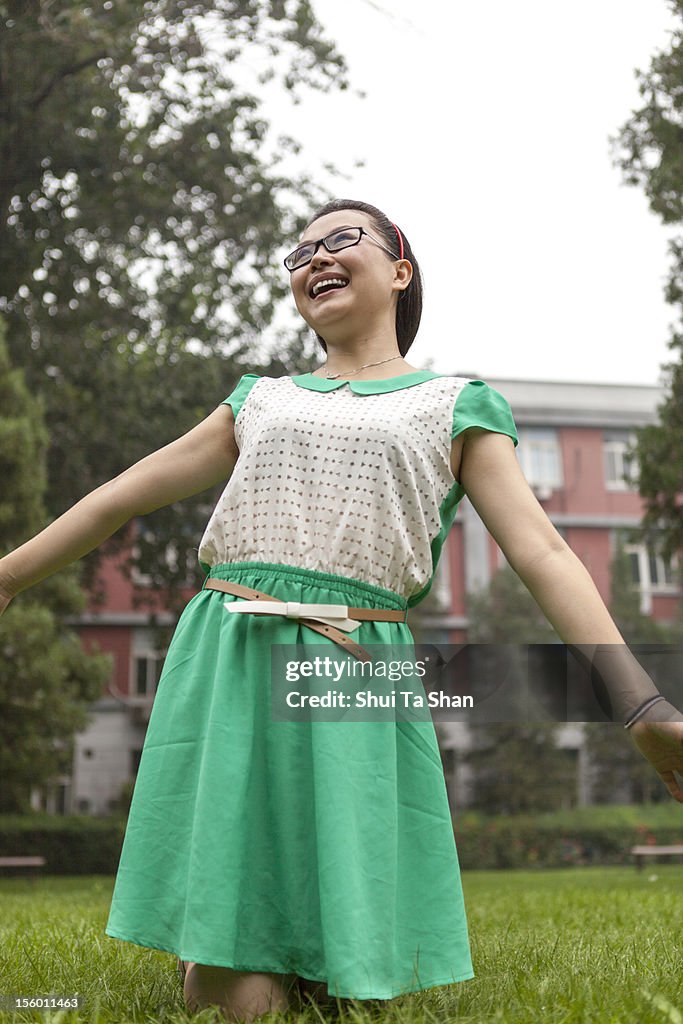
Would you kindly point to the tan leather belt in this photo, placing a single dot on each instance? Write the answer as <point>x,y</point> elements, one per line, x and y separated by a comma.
<point>329,620</point>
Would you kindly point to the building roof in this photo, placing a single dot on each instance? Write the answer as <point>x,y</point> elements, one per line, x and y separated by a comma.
<point>578,403</point>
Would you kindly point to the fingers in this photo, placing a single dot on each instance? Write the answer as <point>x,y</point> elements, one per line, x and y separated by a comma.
<point>661,743</point>
<point>671,782</point>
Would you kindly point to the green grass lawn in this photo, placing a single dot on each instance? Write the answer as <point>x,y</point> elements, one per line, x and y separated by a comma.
<point>576,945</point>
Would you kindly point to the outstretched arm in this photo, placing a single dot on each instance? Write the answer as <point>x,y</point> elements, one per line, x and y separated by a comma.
<point>564,590</point>
<point>197,460</point>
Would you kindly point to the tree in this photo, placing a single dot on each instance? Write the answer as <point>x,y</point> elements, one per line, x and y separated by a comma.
<point>505,612</point>
<point>118,409</point>
<point>634,625</point>
<point>649,151</point>
<point>611,761</point>
<point>143,210</point>
<point>518,767</point>
<point>617,772</point>
<point>137,147</point>
<point>46,679</point>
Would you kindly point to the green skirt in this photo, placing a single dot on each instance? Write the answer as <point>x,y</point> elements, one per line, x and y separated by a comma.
<point>321,848</point>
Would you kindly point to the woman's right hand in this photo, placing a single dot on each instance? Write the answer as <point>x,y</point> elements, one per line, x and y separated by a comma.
<point>661,743</point>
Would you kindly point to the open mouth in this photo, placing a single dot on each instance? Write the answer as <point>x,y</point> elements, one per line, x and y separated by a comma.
<point>331,284</point>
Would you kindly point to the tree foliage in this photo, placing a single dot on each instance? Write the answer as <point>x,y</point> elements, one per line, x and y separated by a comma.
<point>649,151</point>
<point>520,769</point>
<point>635,626</point>
<point>505,612</point>
<point>46,679</point>
<point>129,148</point>
<point>616,770</point>
<point>517,766</point>
<point>144,215</point>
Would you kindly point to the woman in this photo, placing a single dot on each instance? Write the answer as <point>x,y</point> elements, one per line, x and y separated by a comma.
<point>274,855</point>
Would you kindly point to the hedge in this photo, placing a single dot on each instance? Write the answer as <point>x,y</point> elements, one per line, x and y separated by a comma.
<point>524,842</point>
<point>71,845</point>
<point>81,845</point>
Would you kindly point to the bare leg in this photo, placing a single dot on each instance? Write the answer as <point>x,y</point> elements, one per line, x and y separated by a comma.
<point>242,995</point>
<point>318,991</point>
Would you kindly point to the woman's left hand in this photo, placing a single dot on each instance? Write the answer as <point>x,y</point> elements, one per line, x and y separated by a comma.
<point>661,743</point>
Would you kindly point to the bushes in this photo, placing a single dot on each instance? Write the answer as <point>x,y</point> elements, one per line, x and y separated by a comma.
<point>74,845</point>
<point>81,845</point>
<point>591,835</point>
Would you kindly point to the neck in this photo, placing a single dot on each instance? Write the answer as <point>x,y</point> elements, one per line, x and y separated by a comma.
<point>347,354</point>
<point>386,371</point>
<point>361,337</point>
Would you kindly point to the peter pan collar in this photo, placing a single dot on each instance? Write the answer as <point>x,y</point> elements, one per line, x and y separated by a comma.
<point>365,387</point>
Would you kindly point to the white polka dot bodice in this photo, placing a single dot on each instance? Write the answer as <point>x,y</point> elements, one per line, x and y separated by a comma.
<point>337,481</point>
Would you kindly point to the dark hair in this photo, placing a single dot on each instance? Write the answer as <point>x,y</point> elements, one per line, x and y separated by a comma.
<point>409,305</point>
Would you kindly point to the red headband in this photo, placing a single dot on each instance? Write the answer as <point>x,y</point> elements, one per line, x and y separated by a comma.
<point>399,238</point>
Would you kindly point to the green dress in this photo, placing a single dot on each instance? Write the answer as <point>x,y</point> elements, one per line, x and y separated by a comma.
<point>318,847</point>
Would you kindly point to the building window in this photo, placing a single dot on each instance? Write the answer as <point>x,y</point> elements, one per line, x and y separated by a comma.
<point>661,571</point>
<point>147,673</point>
<point>651,573</point>
<point>147,661</point>
<point>621,469</point>
<point>539,457</point>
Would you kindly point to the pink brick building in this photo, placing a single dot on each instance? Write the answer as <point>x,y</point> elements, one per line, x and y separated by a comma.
<point>572,442</point>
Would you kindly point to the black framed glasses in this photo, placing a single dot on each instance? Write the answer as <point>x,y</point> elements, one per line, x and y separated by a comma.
<point>342,238</point>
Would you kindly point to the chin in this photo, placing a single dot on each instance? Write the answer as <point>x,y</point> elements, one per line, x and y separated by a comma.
<point>320,322</point>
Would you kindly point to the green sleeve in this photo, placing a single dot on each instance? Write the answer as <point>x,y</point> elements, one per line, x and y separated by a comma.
<point>238,395</point>
<point>479,405</point>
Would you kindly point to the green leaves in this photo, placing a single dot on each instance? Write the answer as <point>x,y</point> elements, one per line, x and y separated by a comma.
<point>46,678</point>
<point>143,220</point>
<point>649,152</point>
<point>136,143</point>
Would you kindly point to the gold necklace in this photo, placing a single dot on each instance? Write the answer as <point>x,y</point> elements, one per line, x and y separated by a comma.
<point>335,376</point>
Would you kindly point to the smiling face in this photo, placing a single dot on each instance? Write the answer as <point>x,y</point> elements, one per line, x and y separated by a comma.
<point>374,279</point>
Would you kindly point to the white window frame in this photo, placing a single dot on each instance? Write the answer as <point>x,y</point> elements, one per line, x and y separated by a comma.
<point>616,448</point>
<point>154,663</point>
<point>543,442</point>
<point>646,587</point>
<point>142,648</point>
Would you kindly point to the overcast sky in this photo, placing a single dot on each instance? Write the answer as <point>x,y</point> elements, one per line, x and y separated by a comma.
<point>485,137</point>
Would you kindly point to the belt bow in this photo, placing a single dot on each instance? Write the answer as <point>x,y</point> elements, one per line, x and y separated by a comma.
<point>333,621</point>
<point>331,614</point>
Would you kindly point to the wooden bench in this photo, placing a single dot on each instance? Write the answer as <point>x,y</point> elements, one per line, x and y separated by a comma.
<point>22,862</point>
<point>641,852</point>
